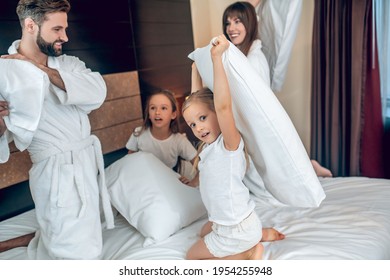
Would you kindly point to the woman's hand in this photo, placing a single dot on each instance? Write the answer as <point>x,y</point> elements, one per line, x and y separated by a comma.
<point>220,45</point>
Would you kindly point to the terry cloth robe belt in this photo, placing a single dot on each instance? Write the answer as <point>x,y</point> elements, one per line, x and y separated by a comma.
<point>74,147</point>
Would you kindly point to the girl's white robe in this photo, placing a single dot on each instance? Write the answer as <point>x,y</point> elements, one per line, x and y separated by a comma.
<point>67,175</point>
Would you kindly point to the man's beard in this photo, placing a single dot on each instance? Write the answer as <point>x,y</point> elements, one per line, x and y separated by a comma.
<point>48,48</point>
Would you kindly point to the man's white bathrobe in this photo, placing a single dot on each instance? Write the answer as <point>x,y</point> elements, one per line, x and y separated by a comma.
<point>67,175</point>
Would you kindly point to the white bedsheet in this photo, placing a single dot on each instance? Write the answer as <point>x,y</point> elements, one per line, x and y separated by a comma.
<point>353,222</point>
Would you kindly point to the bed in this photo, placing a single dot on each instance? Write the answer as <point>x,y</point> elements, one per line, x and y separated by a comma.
<point>352,222</point>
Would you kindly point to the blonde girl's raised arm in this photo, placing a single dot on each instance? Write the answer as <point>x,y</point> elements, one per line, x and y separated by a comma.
<point>222,98</point>
<point>196,80</point>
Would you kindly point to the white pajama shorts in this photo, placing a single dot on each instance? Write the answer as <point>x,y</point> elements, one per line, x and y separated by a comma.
<point>225,241</point>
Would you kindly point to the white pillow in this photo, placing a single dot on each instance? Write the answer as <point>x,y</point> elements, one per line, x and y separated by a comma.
<point>150,196</point>
<point>272,141</point>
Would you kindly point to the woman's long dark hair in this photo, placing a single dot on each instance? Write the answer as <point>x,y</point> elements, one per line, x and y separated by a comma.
<point>245,12</point>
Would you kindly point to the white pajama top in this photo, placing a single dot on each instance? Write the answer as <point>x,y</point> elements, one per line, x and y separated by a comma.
<point>221,173</point>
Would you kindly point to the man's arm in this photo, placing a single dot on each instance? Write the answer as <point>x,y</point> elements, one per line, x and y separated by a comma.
<point>84,88</point>
<point>53,74</point>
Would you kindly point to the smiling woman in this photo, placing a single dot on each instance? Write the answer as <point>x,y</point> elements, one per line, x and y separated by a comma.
<point>240,26</point>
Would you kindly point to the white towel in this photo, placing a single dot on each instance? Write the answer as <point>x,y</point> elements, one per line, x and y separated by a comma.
<point>24,87</point>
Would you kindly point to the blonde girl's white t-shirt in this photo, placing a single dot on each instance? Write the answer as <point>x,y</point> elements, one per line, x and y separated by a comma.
<point>167,150</point>
<point>223,192</point>
<point>259,62</point>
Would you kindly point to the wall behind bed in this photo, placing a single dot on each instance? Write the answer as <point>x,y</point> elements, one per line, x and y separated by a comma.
<point>140,46</point>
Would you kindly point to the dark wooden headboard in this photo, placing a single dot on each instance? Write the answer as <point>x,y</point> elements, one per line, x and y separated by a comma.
<point>113,123</point>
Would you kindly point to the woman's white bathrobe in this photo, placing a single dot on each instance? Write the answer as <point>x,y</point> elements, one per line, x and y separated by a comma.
<point>67,175</point>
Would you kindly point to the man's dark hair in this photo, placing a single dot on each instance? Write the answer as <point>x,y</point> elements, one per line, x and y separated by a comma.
<point>38,9</point>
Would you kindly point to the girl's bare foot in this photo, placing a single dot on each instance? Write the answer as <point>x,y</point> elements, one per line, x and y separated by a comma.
<point>271,234</point>
<point>320,170</point>
<point>257,252</point>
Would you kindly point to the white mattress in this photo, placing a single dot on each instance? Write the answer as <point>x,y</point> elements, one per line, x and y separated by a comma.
<point>353,222</point>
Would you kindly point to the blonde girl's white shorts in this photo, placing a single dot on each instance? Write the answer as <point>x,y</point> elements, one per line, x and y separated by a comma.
<point>225,241</point>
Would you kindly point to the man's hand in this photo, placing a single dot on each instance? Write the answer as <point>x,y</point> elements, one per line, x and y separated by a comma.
<point>53,74</point>
<point>3,112</point>
<point>3,108</point>
<point>3,128</point>
<point>18,56</point>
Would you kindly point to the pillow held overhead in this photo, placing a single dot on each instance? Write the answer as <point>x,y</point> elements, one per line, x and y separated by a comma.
<point>272,141</point>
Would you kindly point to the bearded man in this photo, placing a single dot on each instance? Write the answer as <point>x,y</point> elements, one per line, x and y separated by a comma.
<point>47,99</point>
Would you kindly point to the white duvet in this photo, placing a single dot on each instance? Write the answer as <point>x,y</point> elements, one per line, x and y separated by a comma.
<point>353,222</point>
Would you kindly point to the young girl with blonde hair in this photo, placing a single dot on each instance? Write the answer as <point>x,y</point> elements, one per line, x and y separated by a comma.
<point>234,230</point>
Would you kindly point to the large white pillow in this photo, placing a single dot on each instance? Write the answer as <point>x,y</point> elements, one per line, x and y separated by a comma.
<point>150,196</point>
<point>272,141</point>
